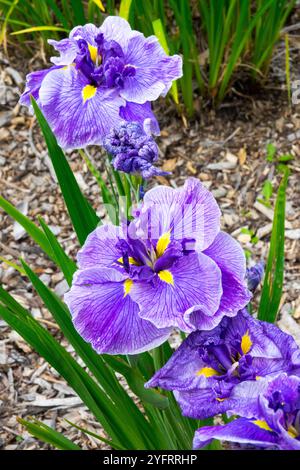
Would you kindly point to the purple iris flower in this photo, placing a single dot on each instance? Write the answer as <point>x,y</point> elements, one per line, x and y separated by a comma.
<point>206,368</point>
<point>169,267</point>
<point>275,419</point>
<point>102,76</point>
<point>133,150</point>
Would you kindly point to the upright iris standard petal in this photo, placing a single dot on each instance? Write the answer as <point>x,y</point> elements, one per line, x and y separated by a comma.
<point>208,371</point>
<point>117,29</point>
<point>84,104</point>
<point>273,417</point>
<point>105,315</point>
<point>77,111</point>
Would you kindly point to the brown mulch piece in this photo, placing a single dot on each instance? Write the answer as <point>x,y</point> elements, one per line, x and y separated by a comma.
<point>225,149</point>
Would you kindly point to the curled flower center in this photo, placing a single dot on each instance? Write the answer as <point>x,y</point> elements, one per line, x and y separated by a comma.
<point>103,63</point>
<point>149,259</point>
<point>290,408</point>
<point>226,362</point>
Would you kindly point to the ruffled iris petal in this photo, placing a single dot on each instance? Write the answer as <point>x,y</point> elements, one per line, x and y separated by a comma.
<point>33,85</point>
<point>196,281</point>
<point>67,49</point>
<point>154,70</point>
<point>88,32</point>
<point>190,212</point>
<point>143,114</point>
<point>240,430</point>
<point>76,121</point>
<point>107,318</point>
<point>117,29</point>
<point>229,256</point>
<point>100,248</point>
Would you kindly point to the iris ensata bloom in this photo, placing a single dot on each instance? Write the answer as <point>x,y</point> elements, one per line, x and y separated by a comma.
<point>170,267</point>
<point>103,75</point>
<point>275,420</point>
<point>133,151</point>
<point>206,368</point>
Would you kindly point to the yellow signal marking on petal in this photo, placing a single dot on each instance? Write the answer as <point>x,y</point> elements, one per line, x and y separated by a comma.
<point>261,423</point>
<point>99,4</point>
<point>166,276</point>
<point>257,377</point>
<point>127,286</point>
<point>163,243</point>
<point>246,343</point>
<point>208,372</point>
<point>130,259</point>
<point>88,92</point>
<point>220,399</point>
<point>93,52</point>
<point>67,66</point>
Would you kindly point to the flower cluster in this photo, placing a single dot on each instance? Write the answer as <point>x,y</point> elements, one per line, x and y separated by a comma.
<point>170,266</point>
<point>101,77</point>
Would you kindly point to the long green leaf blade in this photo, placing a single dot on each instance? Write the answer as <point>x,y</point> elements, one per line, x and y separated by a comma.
<point>36,234</point>
<point>46,434</point>
<point>273,283</point>
<point>83,216</point>
<point>67,265</point>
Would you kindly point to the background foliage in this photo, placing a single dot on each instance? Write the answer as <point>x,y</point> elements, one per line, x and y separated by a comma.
<point>217,38</point>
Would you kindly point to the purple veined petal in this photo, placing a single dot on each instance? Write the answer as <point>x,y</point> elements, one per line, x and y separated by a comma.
<point>235,297</point>
<point>100,247</point>
<point>105,316</point>
<point>118,29</point>
<point>180,372</point>
<point>154,70</point>
<point>243,399</point>
<point>190,212</point>
<point>78,122</point>
<point>33,85</point>
<point>67,49</point>
<point>229,256</point>
<point>281,344</point>
<point>200,403</point>
<point>88,32</point>
<point>287,442</point>
<point>143,114</point>
<point>240,430</point>
<point>194,279</point>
